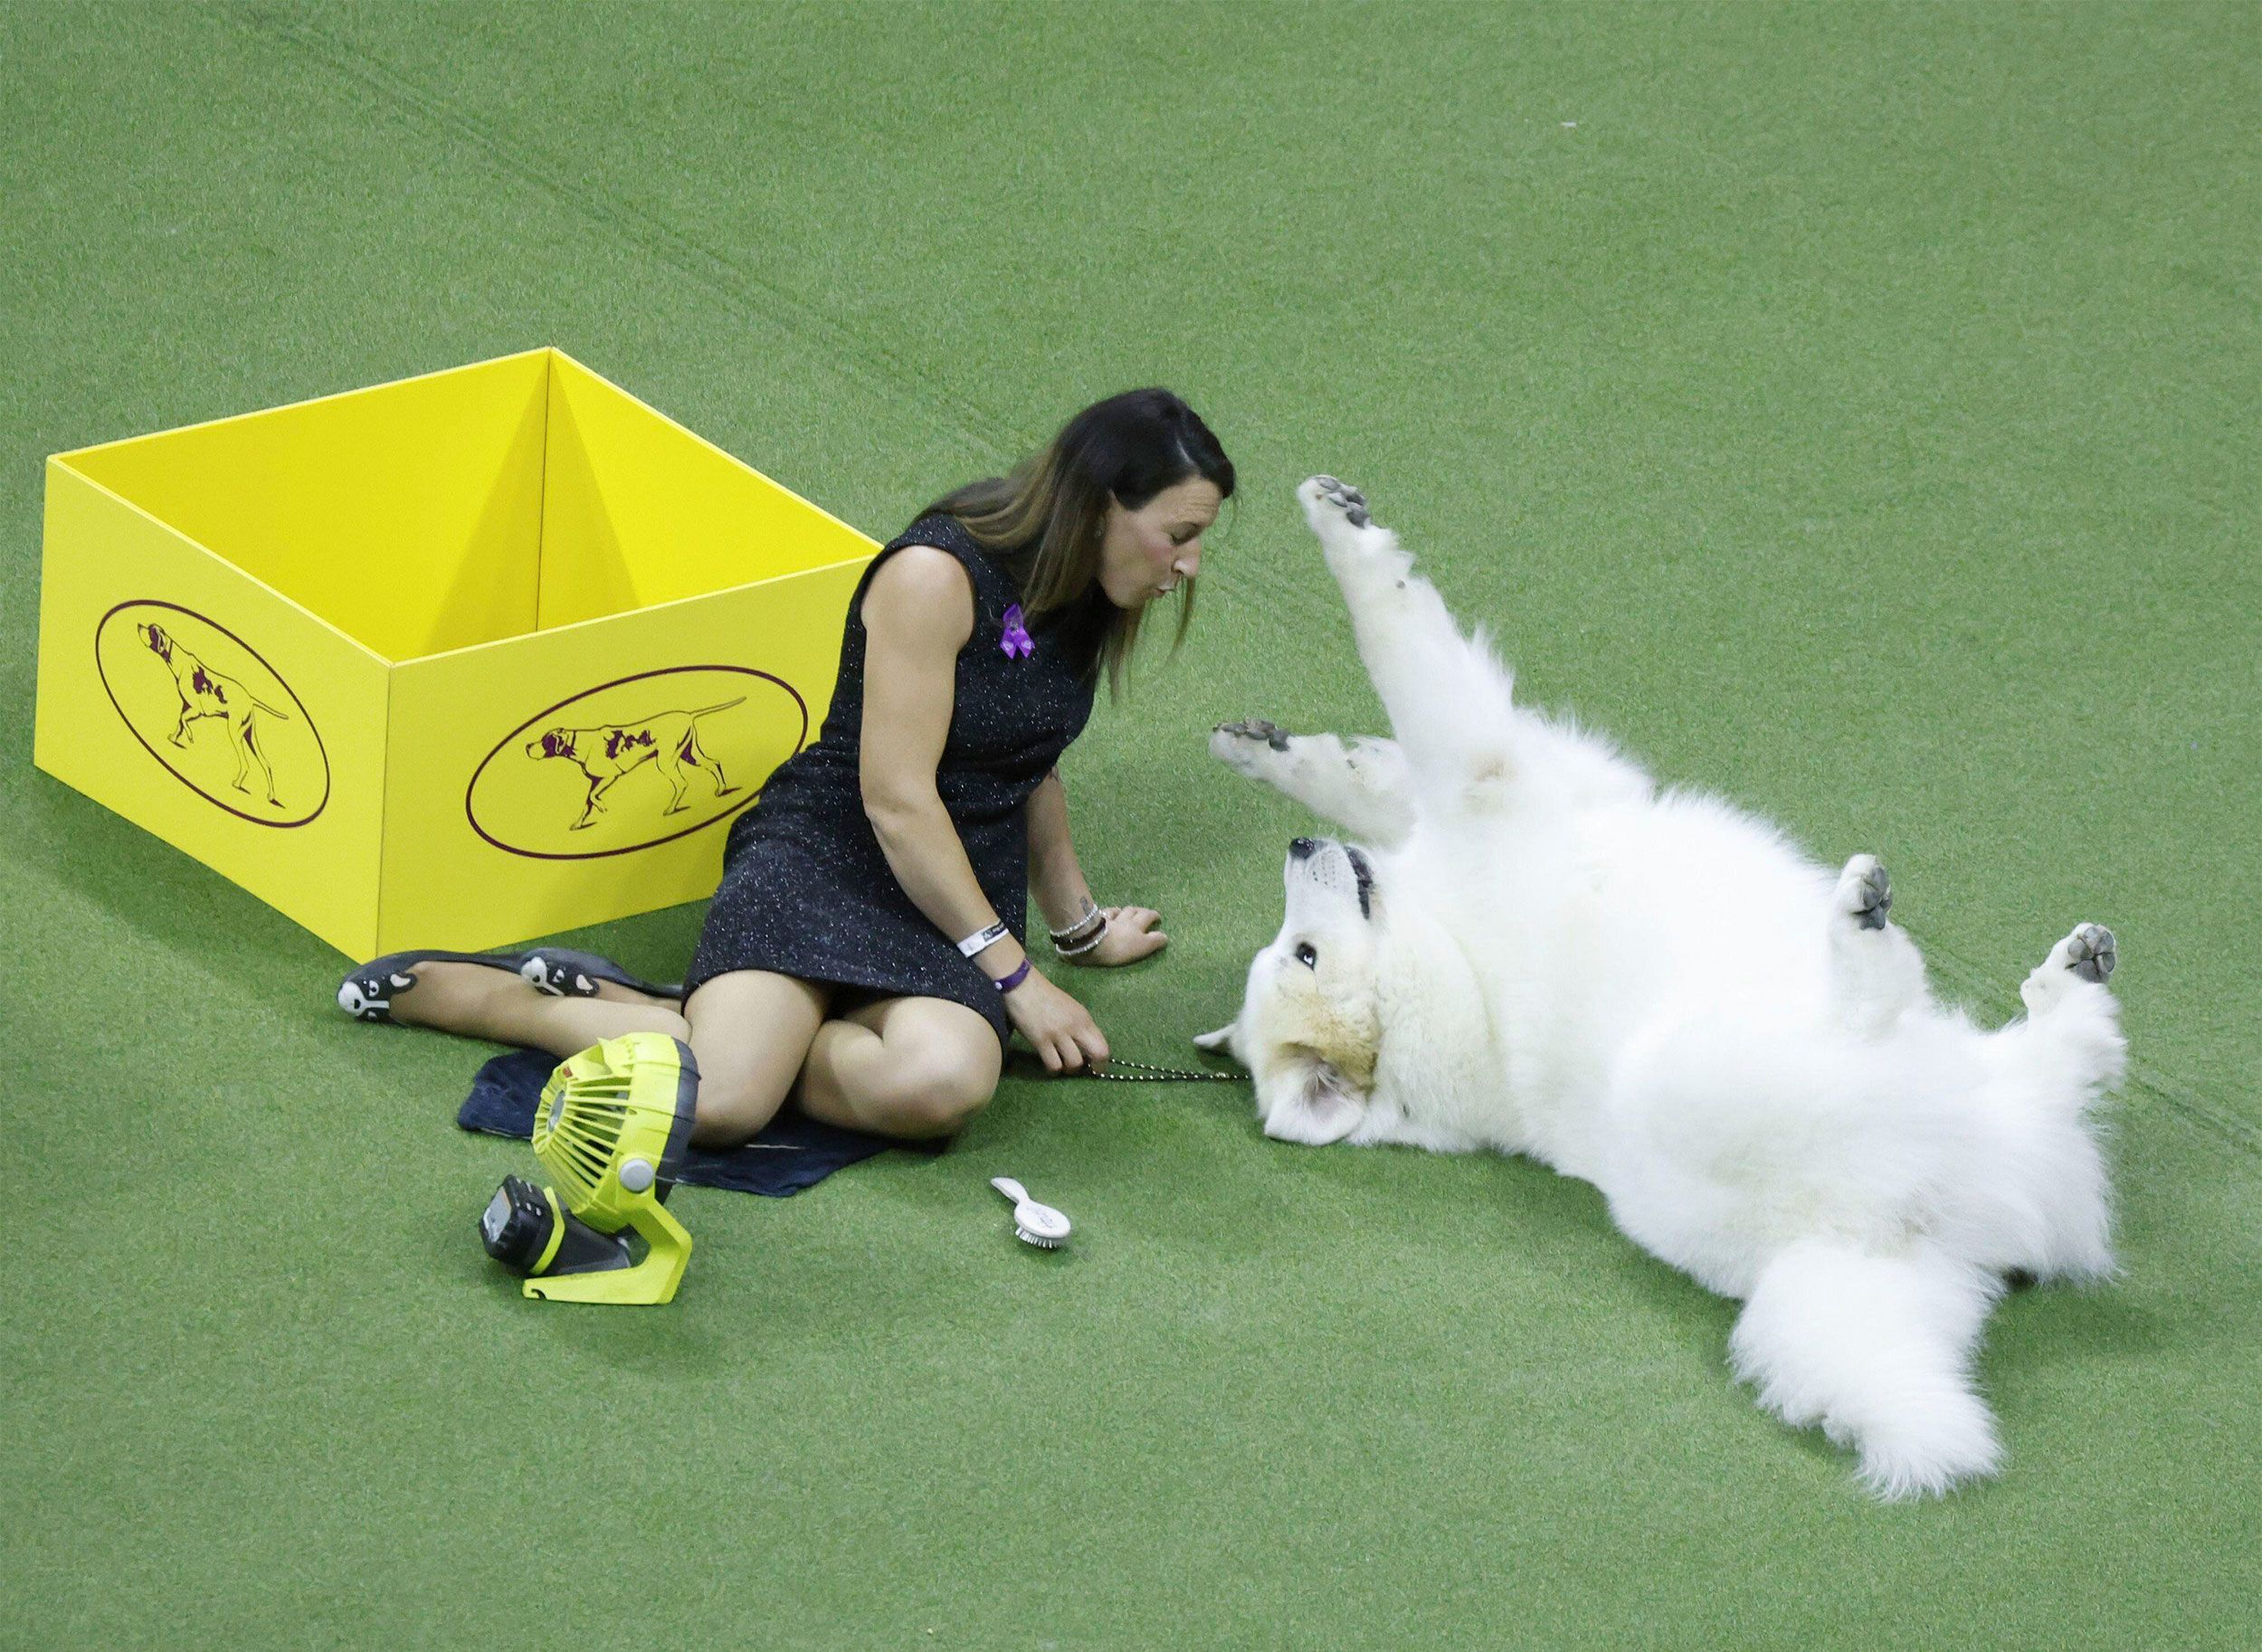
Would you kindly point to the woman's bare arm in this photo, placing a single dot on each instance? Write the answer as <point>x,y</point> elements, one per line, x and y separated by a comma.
<point>1063,894</point>
<point>918,613</point>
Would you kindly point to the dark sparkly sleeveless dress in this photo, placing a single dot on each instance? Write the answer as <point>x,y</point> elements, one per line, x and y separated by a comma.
<point>806,891</point>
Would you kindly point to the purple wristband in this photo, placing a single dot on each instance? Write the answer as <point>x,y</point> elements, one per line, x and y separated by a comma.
<point>1013,980</point>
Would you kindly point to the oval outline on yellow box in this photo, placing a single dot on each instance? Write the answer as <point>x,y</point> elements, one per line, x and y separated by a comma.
<point>469,814</point>
<point>103,625</point>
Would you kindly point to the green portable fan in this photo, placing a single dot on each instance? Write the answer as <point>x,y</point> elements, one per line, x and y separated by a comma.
<point>611,1123</point>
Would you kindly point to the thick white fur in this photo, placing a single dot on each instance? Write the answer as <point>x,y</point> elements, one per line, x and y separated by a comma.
<point>1660,994</point>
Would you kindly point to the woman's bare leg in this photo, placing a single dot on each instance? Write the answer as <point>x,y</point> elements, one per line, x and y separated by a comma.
<point>749,1031</point>
<point>480,1003</point>
<point>905,1066</point>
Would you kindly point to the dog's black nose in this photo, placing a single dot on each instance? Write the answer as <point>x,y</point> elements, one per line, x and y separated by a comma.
<point>1303,848</point>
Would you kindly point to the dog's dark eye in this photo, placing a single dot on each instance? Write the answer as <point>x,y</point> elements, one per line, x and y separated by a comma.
<point>1307,956</point>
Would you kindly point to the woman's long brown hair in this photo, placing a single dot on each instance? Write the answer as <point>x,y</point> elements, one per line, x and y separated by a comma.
<point>1046,520</point>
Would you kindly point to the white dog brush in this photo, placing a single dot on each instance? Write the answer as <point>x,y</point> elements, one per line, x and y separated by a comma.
<point>1033,1224</point>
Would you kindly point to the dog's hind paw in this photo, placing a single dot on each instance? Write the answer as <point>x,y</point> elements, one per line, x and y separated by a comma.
<point>2087,955</point>
<point>1865,894</point>
<point>2090,952</point>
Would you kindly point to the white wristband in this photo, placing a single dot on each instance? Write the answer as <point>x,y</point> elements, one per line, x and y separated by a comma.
<point>990,937</point>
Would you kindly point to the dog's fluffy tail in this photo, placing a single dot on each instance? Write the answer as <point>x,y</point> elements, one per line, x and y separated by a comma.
<point>1877,1352</point>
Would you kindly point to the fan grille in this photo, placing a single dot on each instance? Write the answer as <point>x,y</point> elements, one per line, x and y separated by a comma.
<point>578,1147</point>
<point>616,1098</point>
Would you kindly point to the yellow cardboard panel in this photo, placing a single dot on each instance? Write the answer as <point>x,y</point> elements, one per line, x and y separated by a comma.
<point>580,775</point>
<point>210,711</point>
<point>467,658</point>
<point>408,514</point>
<point>639,511</point>
<point>585,572</point>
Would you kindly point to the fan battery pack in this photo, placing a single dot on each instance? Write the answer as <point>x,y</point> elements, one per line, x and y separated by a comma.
<point>524,1230</point>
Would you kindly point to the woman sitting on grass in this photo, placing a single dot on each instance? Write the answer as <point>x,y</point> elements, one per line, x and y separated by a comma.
<point>864,954</point>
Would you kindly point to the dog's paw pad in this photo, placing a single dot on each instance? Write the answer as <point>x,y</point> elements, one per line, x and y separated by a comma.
<point>1865,894</point>
<point>1256,728</point>
<point>2091,952</point>
<point>1252,748</point>
<point>1343,497</point>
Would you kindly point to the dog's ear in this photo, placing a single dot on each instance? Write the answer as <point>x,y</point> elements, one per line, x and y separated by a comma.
<point>1313,1103</point>
<point>1222,1038</point>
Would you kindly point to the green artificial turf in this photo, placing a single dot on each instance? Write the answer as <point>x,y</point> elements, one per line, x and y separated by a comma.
<point>1852,408</point>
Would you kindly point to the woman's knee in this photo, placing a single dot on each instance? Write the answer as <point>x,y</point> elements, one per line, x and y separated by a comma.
<point>670,1022</point>
<point>749,1033</point>
<point>933,1092</point>
<point>734,1103</point>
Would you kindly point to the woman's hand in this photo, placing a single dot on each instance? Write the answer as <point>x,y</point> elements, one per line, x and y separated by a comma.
<point>1059,1028</point>
<point>1131,936</point>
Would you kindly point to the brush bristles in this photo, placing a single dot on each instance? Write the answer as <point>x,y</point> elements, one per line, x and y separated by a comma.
<point>1037,1239</point>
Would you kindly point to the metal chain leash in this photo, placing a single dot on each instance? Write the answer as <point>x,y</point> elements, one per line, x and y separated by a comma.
<point>1140,1072</point>
<point>1144,1073</point>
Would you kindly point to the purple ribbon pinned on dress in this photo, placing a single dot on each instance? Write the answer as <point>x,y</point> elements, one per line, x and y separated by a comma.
<point>1016,641</point>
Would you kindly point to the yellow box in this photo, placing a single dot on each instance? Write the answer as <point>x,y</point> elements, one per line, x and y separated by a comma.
<point>453,661</point>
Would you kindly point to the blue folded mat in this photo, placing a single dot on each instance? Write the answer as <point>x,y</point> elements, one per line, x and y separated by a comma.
<point>793,1150</point>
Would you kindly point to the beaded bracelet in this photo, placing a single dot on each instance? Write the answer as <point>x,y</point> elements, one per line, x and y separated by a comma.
<point>1073,933</point>
<point>1081,947</point>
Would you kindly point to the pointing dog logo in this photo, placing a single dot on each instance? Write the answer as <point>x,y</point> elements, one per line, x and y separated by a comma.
<point>670,742</point>
<point>205,693</point>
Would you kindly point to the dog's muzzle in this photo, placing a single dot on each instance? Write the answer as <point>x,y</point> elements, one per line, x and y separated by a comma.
<point>1361,872</point>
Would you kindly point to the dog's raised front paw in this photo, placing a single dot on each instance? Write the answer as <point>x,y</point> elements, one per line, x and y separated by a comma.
<point>1357,547</point>
<point>1250,746</point>
<point>1324,493</point>
<point>1865,894</point>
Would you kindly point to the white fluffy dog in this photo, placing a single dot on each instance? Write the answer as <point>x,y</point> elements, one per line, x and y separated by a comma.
<point>1542,952</point>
